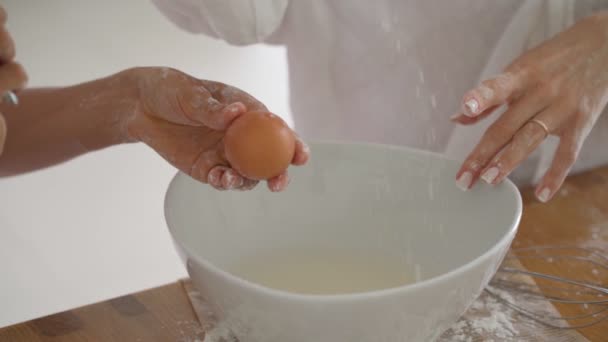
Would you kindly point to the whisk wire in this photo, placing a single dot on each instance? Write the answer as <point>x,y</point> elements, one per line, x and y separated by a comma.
<point>598,288</point>
<point>559,290</point>
<point>547,319</point>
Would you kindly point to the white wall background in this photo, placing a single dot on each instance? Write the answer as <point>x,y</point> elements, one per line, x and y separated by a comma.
<point>93,228</point>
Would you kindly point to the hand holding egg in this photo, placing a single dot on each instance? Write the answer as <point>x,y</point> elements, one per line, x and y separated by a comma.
<point>216,133</point>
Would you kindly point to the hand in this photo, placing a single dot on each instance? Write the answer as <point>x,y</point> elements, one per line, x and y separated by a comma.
<point>558,88</point>
<point>184,120</point>
<point>12,74</point>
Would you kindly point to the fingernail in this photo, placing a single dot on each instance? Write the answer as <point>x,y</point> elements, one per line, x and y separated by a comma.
<point>543,196</point>
<point>464,181</point>
<point>472,107</point>
<point>489,176</point>
<point>455,116</point>
<point>486,92</point>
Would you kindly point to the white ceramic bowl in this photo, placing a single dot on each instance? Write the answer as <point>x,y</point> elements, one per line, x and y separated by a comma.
<point>359,196</point>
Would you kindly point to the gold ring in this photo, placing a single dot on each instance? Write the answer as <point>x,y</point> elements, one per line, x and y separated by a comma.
<point>542,125</point>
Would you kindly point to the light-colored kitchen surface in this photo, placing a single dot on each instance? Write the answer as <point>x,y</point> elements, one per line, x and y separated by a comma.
<point>93,228</point>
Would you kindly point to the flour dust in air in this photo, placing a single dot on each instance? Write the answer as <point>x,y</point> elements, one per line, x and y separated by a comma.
<point>317,272</point>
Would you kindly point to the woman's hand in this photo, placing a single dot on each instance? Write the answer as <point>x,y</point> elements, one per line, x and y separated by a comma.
<point>558,88</point>
<point>184,120</point>
<point>12,74</point>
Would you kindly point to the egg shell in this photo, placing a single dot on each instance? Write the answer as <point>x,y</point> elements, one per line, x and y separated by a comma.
<point>259,145</point>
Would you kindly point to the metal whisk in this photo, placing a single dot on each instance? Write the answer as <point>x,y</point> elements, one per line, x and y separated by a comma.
<point>586,297</point>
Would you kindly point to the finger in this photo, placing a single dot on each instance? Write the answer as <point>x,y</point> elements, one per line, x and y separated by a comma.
<point>229,94</point>
<point>565,156</point>
<point>201,107</point>
<point>212,169</point>
<point>7,46</point>
<point>302,153</point>
<point>178,98</point>
<point>493,92</point>
<point>193,150</point>
<point>497,136</point>
<point>465,120</point>
<point>248,184</point>
<point>3,15</point>
<point>231,180</point>
<point>278,183</point>
<point>215,175</point>
<point>525,141</point>
<point>208,160</point>
<point>12,77</point>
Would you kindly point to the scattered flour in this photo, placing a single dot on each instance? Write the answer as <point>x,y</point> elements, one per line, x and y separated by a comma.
<point>190,331</point>
<point>486,318</point>
<point>499,323</point>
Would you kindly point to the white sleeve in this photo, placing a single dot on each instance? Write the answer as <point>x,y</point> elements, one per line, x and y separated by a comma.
<point>238,22</point>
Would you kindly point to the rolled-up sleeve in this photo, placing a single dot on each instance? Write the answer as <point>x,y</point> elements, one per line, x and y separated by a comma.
<point>238,22</point>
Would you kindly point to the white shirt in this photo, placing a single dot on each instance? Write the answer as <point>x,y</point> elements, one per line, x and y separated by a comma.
<point>393,71</point>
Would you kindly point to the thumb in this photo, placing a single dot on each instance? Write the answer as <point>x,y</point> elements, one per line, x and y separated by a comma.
<point>200,106</point>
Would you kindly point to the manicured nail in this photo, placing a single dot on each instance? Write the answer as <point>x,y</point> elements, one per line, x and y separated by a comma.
<point>464,181</point>
<point>455,116</point>
<point>489,176</point>
<point>543,196</point>
<point>486,92</point>
<point>472,107</point>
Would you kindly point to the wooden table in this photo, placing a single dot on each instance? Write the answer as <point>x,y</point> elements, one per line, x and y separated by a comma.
<point>577,215</point>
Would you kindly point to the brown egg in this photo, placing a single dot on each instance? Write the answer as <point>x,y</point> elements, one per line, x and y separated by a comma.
<point>259,145</point>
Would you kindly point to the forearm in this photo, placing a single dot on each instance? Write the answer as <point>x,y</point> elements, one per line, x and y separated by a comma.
<point>53,125</point>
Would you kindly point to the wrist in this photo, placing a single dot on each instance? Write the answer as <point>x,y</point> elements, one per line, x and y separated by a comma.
<point>131,124</point>
<point>110,103</point>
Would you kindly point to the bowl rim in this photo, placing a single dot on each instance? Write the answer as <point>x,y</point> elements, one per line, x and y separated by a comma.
<point>506,239</point>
